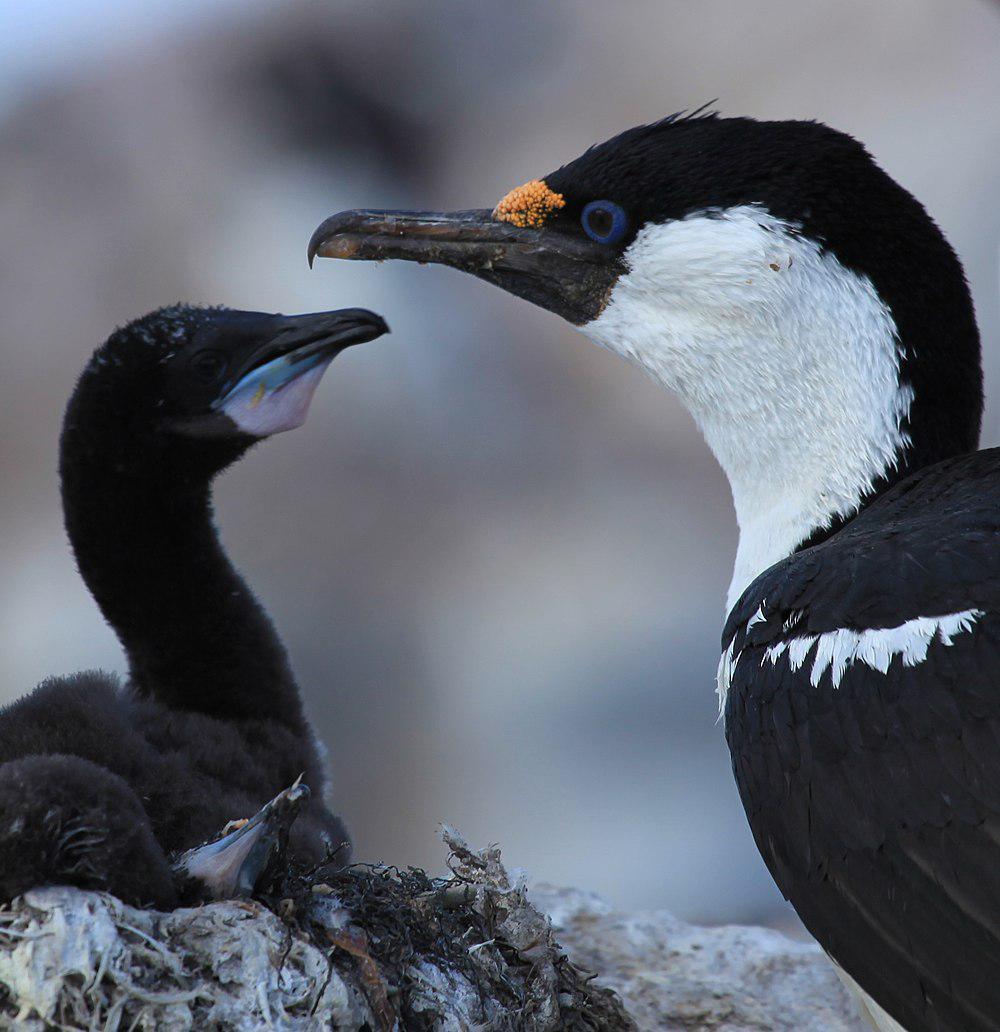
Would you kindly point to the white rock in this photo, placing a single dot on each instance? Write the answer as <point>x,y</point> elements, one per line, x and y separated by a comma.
<point>673,975</point>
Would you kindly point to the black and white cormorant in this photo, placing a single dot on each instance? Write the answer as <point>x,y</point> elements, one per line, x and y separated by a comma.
<point>103,786</point>
<point>818,326</point>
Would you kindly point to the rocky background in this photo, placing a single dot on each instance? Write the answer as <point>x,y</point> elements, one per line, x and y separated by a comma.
<point>498,555</point>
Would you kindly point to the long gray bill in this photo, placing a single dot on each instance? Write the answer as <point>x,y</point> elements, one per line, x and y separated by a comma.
<point>559,269</point>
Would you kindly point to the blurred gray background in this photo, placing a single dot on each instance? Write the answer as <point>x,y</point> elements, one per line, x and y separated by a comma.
<point>497,554</point>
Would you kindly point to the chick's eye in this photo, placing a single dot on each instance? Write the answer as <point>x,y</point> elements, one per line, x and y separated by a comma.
<point>208,366</point>
<point>604,221</point>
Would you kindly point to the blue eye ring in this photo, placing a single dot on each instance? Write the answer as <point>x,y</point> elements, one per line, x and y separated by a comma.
<point>604,221</point>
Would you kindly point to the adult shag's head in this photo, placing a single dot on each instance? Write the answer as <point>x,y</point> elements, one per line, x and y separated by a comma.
<point>196,386</point>
<point>803,305</point>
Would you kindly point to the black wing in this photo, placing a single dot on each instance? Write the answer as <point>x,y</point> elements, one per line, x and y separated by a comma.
<point>873,787</point>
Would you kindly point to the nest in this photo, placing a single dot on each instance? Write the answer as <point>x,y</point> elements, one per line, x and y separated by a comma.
<point>363,947</point>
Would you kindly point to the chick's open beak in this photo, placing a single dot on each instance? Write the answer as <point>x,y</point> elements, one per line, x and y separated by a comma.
<point>239,862</point>
<point>272,389</point>
<point>560,270</point>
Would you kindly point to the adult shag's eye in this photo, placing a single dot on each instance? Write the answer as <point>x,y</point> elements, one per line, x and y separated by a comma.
<point>208,366</point>
<point>604,221</point>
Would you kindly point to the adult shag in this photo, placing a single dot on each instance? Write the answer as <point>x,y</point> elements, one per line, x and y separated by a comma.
<point>113,787</point>
<point>818,326</point>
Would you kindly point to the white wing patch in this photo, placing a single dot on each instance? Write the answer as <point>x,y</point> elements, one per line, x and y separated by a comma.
<point>837,650</point>
<point>757,617</point>
<point>727,664</point>
<point>724,678</point>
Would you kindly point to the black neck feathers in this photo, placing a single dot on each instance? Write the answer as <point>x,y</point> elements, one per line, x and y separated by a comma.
<point>139,519</point>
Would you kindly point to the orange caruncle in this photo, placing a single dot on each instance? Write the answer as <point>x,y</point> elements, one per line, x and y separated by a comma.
<point>528,205</point>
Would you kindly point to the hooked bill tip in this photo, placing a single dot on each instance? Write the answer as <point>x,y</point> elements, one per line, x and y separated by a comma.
<point>324,239</point>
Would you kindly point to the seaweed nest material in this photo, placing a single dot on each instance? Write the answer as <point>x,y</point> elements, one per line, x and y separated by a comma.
<point>367,947</point>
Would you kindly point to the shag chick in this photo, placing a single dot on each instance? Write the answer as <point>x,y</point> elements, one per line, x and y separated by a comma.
<point>111,787</point>
<point>818,326</point>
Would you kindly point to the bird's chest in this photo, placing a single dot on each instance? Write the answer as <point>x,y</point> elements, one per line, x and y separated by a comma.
<point>808,711</point>
<point>845,743</point>
<point>800,755</point>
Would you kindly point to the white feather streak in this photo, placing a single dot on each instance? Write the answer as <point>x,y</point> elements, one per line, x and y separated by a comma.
<point>875,648</point>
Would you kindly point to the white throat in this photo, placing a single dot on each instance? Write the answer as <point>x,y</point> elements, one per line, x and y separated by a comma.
<point>788,362</point>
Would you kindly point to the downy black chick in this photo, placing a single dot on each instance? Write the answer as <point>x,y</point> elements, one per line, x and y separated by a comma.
<point>103,785</point>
